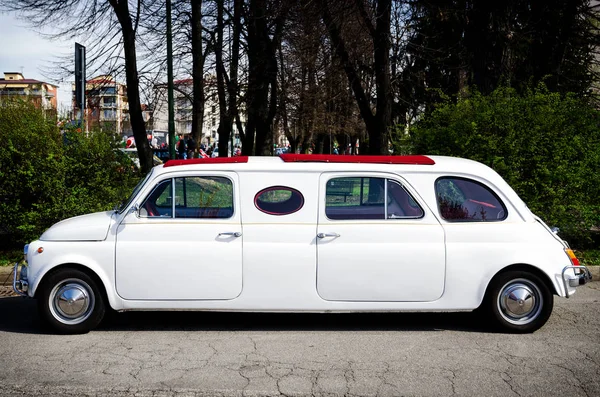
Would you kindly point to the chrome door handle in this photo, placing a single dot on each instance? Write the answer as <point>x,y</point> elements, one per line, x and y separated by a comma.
<point>231,234</point>
<point>323,235</point>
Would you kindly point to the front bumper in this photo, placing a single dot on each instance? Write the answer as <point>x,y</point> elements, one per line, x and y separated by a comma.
<point>579,278</point>
<point>20,283</point>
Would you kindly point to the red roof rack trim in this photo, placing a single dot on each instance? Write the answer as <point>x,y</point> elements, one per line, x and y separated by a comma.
<point>215,160</point>
<point>332,158</point>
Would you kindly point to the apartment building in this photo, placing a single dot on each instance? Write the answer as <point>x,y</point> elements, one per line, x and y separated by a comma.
<point>107,107</point>
<point>44,95</point>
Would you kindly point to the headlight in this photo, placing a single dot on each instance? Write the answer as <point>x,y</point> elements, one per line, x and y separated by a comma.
<point>25,249</point>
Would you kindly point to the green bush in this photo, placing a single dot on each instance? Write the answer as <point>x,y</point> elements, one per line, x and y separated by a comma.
<point>546,146</point>
<point>47,176</point>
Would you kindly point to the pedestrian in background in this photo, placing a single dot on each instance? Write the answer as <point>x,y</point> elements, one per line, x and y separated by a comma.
<point>181,149</point>
<point>191,147</point>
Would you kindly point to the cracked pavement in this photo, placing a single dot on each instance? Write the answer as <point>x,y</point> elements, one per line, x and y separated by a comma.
<point>256,354</point>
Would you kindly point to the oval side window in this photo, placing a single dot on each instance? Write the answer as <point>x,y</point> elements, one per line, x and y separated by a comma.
<point>279,200</point>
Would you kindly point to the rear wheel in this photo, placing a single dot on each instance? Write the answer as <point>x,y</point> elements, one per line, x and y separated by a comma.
<point>519,301</point>
<point>70,302</point>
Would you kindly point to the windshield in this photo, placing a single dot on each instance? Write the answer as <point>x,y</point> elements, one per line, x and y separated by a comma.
<point>125,203</point>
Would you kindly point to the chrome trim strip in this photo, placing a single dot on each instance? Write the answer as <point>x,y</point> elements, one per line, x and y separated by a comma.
<point>585,277</point>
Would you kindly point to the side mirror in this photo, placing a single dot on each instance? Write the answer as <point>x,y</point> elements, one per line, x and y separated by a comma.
<point>135,209</point>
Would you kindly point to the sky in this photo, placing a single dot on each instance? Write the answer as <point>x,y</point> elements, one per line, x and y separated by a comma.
<point>23,49</point>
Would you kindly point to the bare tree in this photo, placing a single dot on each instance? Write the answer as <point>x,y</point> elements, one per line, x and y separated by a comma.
<point>264,36</point>
<point>128,29</point>
<point>377,23</point>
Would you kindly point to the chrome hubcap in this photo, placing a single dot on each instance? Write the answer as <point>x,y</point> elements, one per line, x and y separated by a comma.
<point>71,301</point>
<point>520,301</point>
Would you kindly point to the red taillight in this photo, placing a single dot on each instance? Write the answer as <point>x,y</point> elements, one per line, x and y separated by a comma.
<point>572,257</point>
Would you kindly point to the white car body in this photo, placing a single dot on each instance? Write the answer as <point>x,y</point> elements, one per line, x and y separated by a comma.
<point>279,263</point>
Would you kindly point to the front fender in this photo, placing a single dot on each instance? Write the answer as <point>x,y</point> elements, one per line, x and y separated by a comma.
<point>99,263</point>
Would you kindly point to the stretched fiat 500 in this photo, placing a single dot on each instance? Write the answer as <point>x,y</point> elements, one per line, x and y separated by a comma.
<point>352,233</point>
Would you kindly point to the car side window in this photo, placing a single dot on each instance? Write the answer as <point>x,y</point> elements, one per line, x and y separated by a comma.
<point>400,203</point>
<point>203,197</point>
<point>357,198</point>
<point>279,200</point>
<point>159,201</point>
<point>465,200</point>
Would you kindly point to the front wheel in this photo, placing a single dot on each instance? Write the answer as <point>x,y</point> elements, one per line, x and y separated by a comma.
<point>70,302</point>
<point>519,301</point>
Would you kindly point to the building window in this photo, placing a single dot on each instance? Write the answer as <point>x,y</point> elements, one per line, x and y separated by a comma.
<point>109,114</point>
<point>110,101</point>
<point>108,91</point>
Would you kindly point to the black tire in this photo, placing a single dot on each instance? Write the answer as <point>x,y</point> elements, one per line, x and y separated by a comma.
<point>70,302</point>
<point>518,302</point>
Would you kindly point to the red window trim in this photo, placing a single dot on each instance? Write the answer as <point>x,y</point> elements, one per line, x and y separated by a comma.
<point>332,158</point>
<point>214,160</point>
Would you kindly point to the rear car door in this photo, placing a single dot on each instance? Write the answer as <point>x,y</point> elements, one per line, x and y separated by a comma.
<point>376,242</point>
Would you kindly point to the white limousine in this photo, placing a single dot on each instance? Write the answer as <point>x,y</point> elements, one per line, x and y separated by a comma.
<point>305,233</point>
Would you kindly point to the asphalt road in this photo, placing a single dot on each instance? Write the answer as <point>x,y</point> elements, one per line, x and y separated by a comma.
<point>223,354</point>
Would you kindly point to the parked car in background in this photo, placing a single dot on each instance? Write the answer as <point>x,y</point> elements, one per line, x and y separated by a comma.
<point>361,234</point>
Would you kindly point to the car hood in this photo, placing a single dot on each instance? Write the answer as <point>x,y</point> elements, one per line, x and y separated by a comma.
<point>90,227</point>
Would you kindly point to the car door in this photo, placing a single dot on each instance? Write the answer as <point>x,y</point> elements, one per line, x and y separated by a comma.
<point>376,242</point>
<point>185,248</point>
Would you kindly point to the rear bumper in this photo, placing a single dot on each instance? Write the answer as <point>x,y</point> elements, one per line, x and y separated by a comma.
<point>581,277</point>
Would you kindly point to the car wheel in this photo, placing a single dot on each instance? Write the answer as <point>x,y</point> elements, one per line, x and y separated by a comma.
<point>519,301</point>
<point>70,302</point>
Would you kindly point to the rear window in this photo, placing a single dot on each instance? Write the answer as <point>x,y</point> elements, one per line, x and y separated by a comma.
<point>465,200</point>
<point>279,200</point>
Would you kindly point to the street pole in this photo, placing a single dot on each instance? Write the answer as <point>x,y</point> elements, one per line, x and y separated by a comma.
<point>170,84</point>
<point>80,84</point>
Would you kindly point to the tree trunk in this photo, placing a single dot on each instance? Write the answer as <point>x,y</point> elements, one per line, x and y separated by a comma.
<point>225,123</point>
<point>198,58</point>
<point>378,124</point>
<point>262,77</point>
<point>233,88</point>
<point>138,126</point>
<point>378,142</point>
<point>258,78</point>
